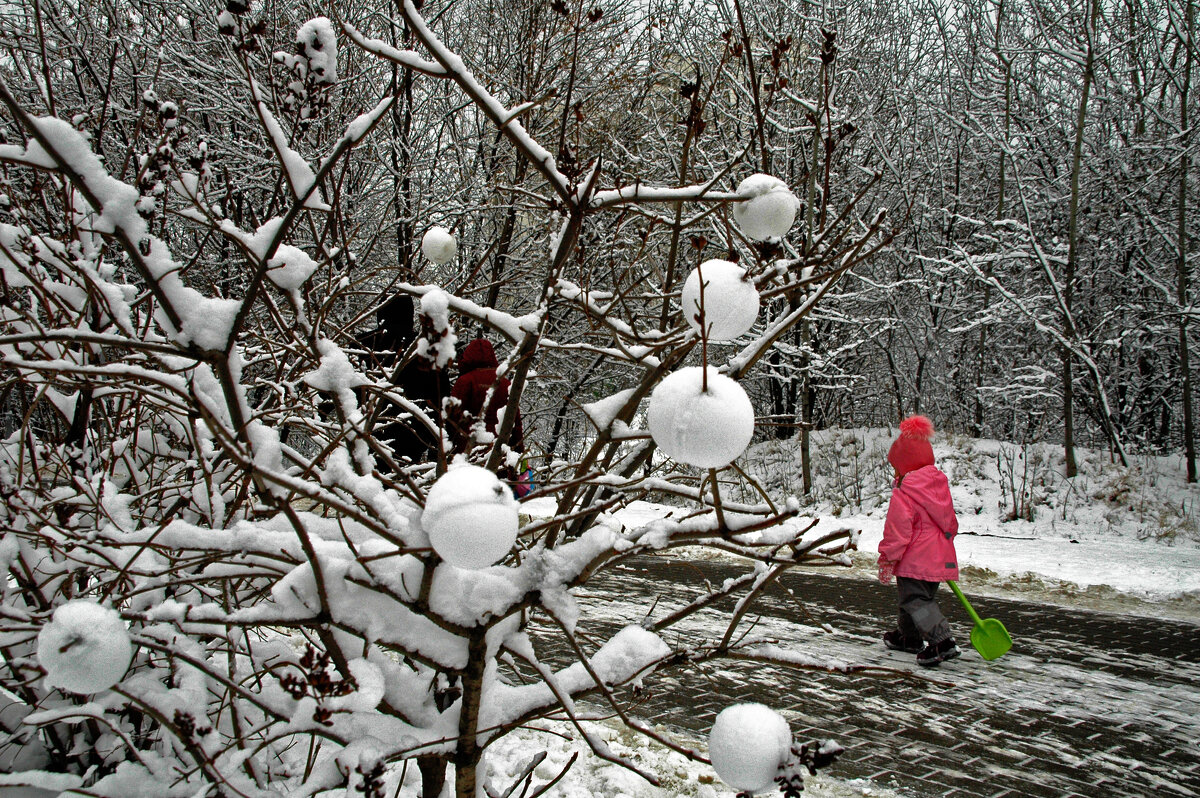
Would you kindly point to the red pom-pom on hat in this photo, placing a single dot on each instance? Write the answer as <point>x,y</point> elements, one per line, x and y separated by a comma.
<point>911,449</point>
<point>917,427</point>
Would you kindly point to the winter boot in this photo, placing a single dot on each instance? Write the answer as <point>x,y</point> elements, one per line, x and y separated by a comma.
<point>936,653</point>
<point>896,641</point>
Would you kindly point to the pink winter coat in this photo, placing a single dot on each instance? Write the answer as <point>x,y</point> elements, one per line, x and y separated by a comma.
<point>918,535</point>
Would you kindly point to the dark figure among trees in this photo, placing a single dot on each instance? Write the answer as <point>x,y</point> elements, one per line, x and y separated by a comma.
<point>386,349</point>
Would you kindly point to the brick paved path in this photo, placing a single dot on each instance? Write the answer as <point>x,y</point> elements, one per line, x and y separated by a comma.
<point>1086,703</point>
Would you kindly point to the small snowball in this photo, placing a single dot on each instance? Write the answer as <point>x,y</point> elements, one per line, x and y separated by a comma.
<point>226,23</point>
<point>471,517</point>
<point>439,245</point>
<point>770,210</point>
<point>705,429</point>
<point>85,648</point>
<point>747,744</point>
<point>730,301</point>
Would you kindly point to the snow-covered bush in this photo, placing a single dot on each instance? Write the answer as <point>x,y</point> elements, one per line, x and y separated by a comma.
<point>206,488</point>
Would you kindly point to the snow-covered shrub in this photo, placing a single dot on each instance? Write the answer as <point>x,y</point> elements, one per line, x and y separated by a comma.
<point>850,472</point>
<point>201,472</point>
<point>1024,475</point>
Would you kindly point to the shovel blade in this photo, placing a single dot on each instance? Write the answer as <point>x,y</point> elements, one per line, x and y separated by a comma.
<point>990,639</point>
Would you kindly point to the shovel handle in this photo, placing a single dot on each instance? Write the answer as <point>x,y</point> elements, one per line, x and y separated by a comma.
<point>966,604</point>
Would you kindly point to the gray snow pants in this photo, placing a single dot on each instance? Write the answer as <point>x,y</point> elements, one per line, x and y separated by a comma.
<point>920,615</point>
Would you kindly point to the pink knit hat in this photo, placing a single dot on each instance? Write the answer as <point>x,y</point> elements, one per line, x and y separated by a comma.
<point>912,450</point>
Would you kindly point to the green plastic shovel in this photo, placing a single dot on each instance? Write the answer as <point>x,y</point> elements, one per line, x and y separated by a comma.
<point>989,637</point>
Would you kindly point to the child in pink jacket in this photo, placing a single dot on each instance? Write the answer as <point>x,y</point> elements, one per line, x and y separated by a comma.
<point>918,545</point>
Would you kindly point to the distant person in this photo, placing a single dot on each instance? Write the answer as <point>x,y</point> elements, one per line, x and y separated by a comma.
<point>384,349</point>
<point>477,375</point>
<point>918,545</point>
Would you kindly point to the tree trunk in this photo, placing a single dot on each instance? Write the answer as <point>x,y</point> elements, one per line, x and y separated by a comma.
<point>433,775</point>
<point>1072,246</point>
<point>468,752</point>
<point>977,420</point>
<point>402,118</point>
<point>1189,437</point>
<point>504,246</point>
<point>806,405</point>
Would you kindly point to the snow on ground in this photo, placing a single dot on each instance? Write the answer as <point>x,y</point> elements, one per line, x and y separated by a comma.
<point>591,777</point>
<point>1117,539</point>
<point>1114,538</point>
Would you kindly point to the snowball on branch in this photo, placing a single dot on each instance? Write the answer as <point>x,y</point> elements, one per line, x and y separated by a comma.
<point>438,245</point>
<point>85,648</point>
<point>705,428</point>
<point>730,300</point>
<point>769,209</point>
<point>471,517</point>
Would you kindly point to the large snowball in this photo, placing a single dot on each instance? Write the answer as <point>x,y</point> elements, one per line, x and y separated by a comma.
<point>730,302</point>
<point>85,648</point>
<point>471,517</point>
<point>747,744</point>
<point>769,210</point>
<point>705,429</point>
<point>439,245</point>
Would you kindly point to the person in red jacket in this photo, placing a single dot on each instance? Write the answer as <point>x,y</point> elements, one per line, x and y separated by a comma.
<point>477,376</point>
<point>918,545</point>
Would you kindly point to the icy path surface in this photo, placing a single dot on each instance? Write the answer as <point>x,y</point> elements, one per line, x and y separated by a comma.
<point>1086,703</point>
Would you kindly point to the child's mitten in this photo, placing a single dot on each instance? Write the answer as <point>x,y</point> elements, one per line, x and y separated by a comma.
<point>887,569</point>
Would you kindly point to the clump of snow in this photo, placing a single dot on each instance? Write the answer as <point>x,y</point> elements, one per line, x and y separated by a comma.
<point>369,686</point>
<point>316,42</point>
<point>290,267</point>
<point>85,648</point>
<point>769,210</point>
<point>707,429</point>
<point>299,174</point>
<point>439,245</point>
<point>730,300</point>
<point>435,306</point>
<point>335,374</point>
<point>604,411</point>
<point>470,517</point>
<point>747,744</point>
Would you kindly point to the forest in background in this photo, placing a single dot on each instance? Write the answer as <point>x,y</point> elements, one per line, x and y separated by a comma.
<point>1033,158</point>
